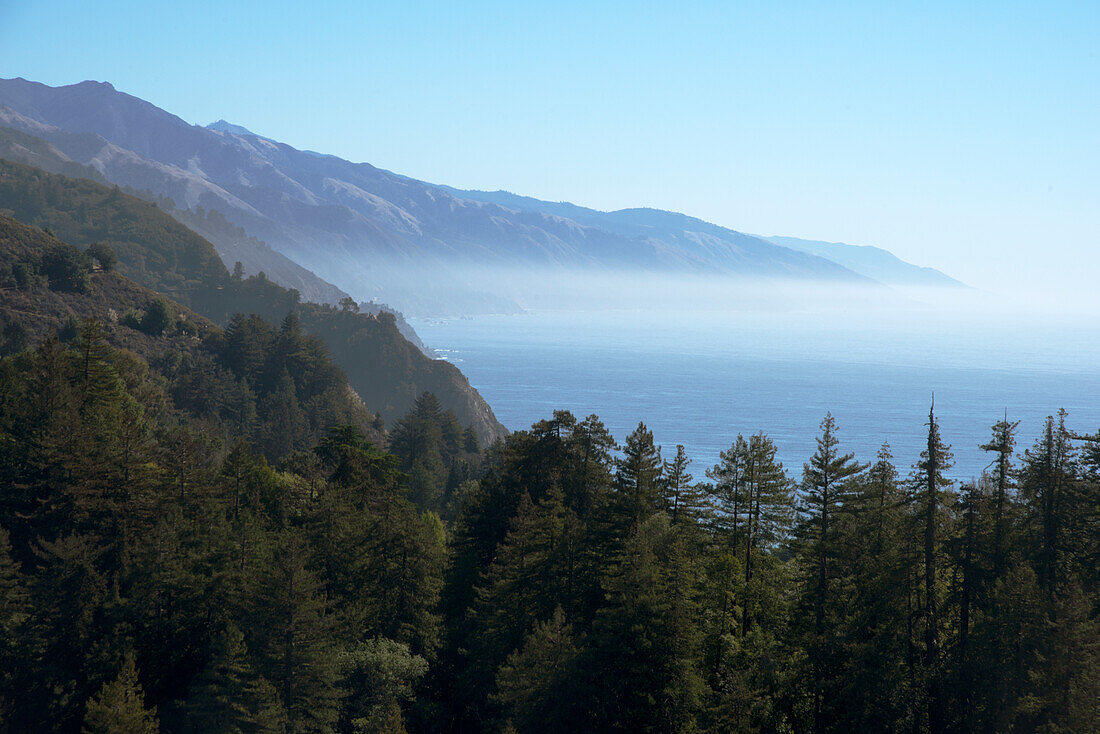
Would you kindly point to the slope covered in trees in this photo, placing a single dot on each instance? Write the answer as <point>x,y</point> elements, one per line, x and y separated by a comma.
<point>156,574</point>
<point>159,253</point>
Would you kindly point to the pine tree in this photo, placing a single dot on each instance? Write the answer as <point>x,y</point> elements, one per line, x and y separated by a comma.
<point>825,483</point>
<point>119,707</point>
<point>535,684</point>
<point>637,479</point>
<point>1001,445</point>
<point>684,502</point>
<point>14,612</point>
<point>930,487</point>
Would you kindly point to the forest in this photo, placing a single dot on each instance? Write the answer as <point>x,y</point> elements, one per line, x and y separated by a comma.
<point>171,565</point>
<point>204,529</point>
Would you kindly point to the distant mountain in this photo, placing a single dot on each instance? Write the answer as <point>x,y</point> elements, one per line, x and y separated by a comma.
<point>159,253</point>
<point>372,232</point>
<point>227,127</point>
<point>874,262</point>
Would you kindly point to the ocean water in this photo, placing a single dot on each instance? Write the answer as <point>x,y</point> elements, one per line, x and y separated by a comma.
<point>701,378</point>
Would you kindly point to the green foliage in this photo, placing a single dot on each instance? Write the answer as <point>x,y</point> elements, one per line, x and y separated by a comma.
<point>157,317</point>
<point>66,269</point>
<point>536,683</point>
<point>380,681</point>
<point>103,255</point>
<point>119,708</point>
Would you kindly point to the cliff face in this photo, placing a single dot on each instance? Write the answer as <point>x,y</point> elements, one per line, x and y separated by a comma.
<point>390,376</point>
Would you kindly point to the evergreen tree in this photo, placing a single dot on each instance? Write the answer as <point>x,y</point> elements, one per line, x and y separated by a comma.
<point>637,479</point>
<point>825,484</point>
<point>931,491</point>
<point>294,636</point>
<point>14,612</point>
<point>684,502</point>
<point>380,680</point>
<point>1048,482</point>
<point>873,692</point>
<point>767,515</point>
<point>1001,445</point>
<point>535,686</point>
<point>228,697</point>
<point>119,706</point>
<point>641,663</point>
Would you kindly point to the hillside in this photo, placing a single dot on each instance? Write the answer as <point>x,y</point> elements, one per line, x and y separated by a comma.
<point>231,242</point>
<point>159,253</point>
<point>46,282</point>
<point>372,232</point>
<point>873,262</point>
<point>48,287</point>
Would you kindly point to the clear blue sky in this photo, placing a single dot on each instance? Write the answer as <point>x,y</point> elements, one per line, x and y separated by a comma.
<point>960,135</point>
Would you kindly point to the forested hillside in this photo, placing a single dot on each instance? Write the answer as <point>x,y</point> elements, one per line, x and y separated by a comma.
<point>201,532</point>
<point>162,254</point>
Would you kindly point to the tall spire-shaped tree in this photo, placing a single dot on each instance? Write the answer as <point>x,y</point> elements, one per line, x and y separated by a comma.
<point>1001,445</point>
<point>930,484</point>
<point>683,501</point>
<point>824,483</point>
<point>638,478</point>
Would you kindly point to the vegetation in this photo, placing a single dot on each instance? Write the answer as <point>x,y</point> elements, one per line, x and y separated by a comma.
<point>201,529</point>
<point>139,240</point>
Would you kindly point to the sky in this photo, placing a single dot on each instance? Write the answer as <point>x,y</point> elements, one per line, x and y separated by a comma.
<point>965,136</point>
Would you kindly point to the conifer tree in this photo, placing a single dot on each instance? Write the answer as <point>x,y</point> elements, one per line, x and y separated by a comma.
<point>872,532</point>
<point>930,487</point>
<point>294,634</point>
<point>592,447</point>
<point>1001,445</point>
<point>729,488</point>
<point>1048,481</point>
<point>637,479</point>
<point>683,500</point>
<point>767,513</point>
<point>535,684</point>
<point>228,697</point>
<point>534,573</point>
<point>641,663</point>
<point>119,707</point>
<point>14,612</point>
<point>825,484</point>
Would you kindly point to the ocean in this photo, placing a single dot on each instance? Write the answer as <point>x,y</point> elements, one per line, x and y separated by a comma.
<point>701,378</point>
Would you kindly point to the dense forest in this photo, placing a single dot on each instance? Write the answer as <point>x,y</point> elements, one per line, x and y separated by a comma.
<point>203,530</point>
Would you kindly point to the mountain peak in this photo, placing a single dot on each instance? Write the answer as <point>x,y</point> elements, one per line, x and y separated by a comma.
<point>223,126</point>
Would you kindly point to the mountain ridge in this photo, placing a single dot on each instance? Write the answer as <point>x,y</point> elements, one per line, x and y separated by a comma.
<point>377,234</point>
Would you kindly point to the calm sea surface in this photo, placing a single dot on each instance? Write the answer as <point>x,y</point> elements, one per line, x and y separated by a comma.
<point>700,378</point>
